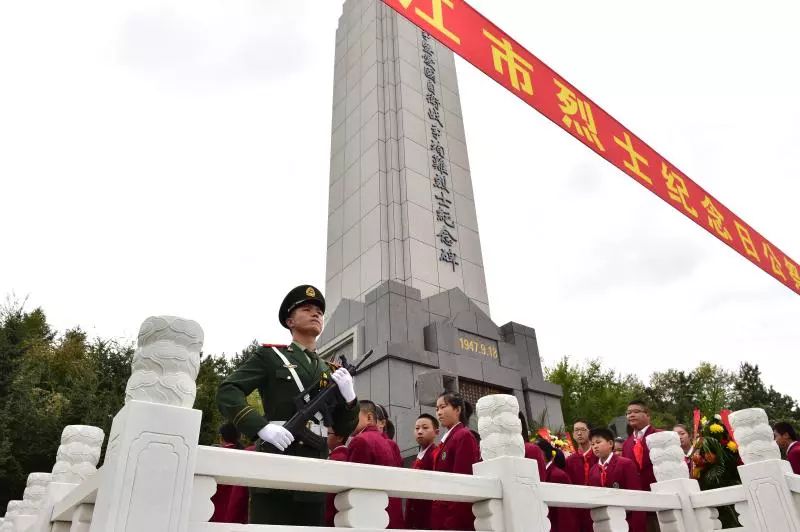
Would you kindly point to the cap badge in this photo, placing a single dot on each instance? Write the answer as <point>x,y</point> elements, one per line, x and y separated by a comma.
<point>310,292</point>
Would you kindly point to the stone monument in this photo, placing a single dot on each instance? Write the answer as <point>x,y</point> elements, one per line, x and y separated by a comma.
<point>404,271</point>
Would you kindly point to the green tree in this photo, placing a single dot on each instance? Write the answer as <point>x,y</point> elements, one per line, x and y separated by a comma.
<point>593,392</point>
<point>213,369</point>
<point>749,391</point>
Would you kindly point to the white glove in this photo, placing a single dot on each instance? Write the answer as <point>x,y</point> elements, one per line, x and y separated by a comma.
<point>344,381</point>
<point>277,436</point>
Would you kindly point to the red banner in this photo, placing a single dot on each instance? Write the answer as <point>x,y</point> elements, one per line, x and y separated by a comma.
<point>461,28</point>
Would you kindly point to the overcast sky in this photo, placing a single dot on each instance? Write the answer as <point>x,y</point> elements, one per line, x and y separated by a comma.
<point>171,157</point>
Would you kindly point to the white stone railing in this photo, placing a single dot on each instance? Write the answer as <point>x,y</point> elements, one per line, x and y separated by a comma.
<point>157,479</point>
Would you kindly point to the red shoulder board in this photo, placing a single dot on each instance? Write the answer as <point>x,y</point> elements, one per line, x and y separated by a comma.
<point>279,346</point>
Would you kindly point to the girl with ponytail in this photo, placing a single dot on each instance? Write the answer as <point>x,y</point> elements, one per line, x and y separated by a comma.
<point>561,519</point>
<point>456,454</point>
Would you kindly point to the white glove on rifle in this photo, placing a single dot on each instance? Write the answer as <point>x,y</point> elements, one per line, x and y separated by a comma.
<point>344,381</point>
<point>277,436</point>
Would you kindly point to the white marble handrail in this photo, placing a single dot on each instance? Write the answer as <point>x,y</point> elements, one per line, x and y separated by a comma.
<point>569,496</point>
<point>263,470</point>
<point>718,497</point>
<point>793,481</point>
<point>85,492</point>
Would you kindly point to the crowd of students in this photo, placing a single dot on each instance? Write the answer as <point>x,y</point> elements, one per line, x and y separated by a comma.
<point>599,459</point>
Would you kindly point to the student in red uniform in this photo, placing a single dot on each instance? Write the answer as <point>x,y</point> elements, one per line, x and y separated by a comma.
<point>338,452</point>
<point>532,451</point>
<point>418,512</point>
<point>561,519</point>
<point>386,427</point>
<point>369,446</point>
<point>686,444</point>
<point>786,438</point>
<point>579,464</point>
<point>635,448</point>
<point>612,471</point>
<point>457,452</point>
<point>581,461</point>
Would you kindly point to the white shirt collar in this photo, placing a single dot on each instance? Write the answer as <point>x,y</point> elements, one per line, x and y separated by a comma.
<point>608,460</point>
<point>446,434</point>
<point>640,433</point>
<point>421,454</point>
<point>548,464</point>
<point>790,446</point>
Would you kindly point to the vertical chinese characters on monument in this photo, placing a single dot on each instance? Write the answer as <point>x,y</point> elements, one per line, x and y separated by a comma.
<point>446,234</point>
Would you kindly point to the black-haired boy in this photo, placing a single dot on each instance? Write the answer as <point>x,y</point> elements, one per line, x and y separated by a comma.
<point>418,512</point>
<point>613,471</point>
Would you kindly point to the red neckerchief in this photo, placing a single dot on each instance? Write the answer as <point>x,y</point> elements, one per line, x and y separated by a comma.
<point>603,467</point>
<point>585,466</point>
<point>638,450</point>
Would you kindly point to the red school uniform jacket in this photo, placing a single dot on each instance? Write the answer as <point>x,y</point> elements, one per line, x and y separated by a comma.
<point>646,466</point>
<point>370,446</point>
<point>561,519</point>
<point>533,452</point>
<point>456,455</point>
<point>578,466</point>
<point>621,473</point>
<point>340,455</point>
<point>793,455</point>
<point>398,458</point>
<point>418,512</point>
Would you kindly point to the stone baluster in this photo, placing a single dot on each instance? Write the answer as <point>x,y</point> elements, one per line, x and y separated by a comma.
<point>609,519</point>
<point>76,461</point>
<point>154,437</point>
<point>81,518</point>
<point>12,511</point>
<point>503,451</point>
<point>672,476</point>
<point>769,498</point>
<point>32,499</point>
<point>361,509</point>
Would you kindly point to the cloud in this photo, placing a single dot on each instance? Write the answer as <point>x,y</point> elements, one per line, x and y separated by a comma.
<point>172,45</point>
<point>638,260</point>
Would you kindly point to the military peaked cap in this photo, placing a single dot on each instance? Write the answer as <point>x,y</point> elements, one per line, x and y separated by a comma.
<point>305,293</point>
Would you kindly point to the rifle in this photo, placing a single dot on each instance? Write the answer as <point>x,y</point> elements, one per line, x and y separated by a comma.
<point>324,402</point>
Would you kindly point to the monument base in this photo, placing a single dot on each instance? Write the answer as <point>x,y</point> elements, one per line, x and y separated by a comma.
<point>426,345</point>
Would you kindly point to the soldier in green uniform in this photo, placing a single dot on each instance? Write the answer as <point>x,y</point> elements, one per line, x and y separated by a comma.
<point>275,370</point>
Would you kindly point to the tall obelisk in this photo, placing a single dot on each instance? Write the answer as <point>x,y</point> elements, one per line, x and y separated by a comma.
<point>401,205</point>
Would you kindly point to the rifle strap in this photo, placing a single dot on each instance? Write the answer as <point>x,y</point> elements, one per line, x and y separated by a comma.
<point>296,378</point>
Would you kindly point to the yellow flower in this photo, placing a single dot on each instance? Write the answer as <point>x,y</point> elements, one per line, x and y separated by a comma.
<point>704,420</point>
<point>716,428</point>
<point>732,446</point>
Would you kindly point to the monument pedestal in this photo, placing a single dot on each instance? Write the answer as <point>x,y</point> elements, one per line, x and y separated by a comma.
<point>426,345</point>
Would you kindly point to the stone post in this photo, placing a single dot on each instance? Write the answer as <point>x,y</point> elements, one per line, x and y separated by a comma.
<point>32,498</point>
<point>763,474</point>
<point>76,461</point>
<point>149,468</point>
<point>361,509</point>
<point>12,511</point>
<point>672,476</point>
<point>503,449</point>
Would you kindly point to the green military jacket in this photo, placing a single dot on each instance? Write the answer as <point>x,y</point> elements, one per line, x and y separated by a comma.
<point>265,371</point>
